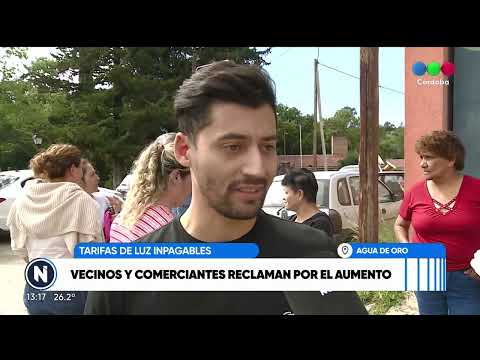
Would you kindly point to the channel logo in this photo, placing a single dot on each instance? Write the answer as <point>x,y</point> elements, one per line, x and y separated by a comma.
<point>40,274</point>
<point>433,68</point>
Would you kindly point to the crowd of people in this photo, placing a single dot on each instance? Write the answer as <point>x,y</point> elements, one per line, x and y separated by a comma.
<point>207,183</point>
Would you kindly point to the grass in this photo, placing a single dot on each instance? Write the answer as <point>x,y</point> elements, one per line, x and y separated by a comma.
<point>385,232</point>
<point>382,301</point>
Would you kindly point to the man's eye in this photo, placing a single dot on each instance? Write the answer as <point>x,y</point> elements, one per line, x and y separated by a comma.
<point>270,148</point>
<point>232,147</point>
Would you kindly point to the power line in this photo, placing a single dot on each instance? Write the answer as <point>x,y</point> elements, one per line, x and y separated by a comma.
<point>357,77</point>
<point>340,71</point>
<point>279,56</point>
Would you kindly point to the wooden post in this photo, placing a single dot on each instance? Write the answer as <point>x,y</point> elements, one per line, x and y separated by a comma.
<point>301,154</point>
<point>368,157</point>
<point>320,121</point>
<point>314,153</point>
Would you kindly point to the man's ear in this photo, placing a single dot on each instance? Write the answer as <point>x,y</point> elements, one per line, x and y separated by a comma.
<point>182,149</point>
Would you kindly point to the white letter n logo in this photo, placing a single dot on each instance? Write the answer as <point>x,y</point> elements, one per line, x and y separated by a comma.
<point>40,274</point>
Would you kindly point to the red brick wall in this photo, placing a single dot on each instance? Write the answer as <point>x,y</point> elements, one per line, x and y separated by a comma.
<point>295,162</point>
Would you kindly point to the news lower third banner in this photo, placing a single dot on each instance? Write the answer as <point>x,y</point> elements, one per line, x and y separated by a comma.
<point>234,267</point>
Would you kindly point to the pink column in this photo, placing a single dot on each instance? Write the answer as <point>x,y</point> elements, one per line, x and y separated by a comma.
<point>426,106</point>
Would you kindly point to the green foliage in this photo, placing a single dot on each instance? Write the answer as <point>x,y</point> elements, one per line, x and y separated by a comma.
<point>350,159</point>
<point>111,102</point>
<point>289,121</point>
<point>345,123</point>
<point>385,231</point>
<point>391,142</point>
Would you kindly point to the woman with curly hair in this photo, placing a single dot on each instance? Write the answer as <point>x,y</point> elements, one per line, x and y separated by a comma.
<point>445,208</point>
<point>49,218</point>
<point>159,183</point>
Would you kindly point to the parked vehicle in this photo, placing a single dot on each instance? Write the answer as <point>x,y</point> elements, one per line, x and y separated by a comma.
<point>394,179</point>
<point>124,186</point>
<point>12,184</point>
<point>338,196</point>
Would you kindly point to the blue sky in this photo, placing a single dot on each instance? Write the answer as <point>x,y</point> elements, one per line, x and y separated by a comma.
<point>292,71</point>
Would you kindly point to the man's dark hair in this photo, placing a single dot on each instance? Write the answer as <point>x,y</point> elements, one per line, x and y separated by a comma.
<point>302,179</point>
<point>223,81</point>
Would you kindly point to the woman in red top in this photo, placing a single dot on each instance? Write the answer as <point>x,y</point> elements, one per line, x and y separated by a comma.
<point>445,208</point>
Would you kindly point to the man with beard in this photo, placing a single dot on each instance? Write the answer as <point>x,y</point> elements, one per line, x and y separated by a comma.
<point>227,119</point>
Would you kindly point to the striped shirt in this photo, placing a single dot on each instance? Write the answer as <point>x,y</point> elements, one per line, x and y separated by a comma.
<point>152,219</point>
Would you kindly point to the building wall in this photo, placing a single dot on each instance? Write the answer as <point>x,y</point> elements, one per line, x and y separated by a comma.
<point>466,105</point>
<point>294,161</point>
<point>426,107</point>
<point>339,145</point>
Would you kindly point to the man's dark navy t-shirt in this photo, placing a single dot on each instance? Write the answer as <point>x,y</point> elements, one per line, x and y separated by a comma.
<point>276,238</point>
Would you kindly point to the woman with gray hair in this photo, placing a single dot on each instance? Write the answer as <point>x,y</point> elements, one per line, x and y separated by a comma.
<point>159,183</point>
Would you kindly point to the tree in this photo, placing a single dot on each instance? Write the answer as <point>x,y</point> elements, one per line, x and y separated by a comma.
<point>388,126</point>
<point>118,99</point>
<point>345,123</point>
<point>22,112</point>
<point>391,143</point>
<point>350,159</point>
<point>289,121</point>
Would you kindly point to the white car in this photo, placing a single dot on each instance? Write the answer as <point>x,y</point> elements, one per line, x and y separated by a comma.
<point>338,196</point>
<point>124,186</point>
<point>12,183</point>
<point>110,192</point>
<point>349,168</point>
<point>10,187</point>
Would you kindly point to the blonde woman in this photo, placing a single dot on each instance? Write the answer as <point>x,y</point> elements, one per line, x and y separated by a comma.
<point>159,183</point>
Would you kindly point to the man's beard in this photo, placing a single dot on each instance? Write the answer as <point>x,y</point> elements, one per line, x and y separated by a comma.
<point>225,205</point>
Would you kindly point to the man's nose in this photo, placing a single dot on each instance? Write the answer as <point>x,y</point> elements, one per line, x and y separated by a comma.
<point>254,163</point>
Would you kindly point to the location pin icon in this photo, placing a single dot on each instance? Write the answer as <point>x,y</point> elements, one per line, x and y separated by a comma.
<point>344,250</point>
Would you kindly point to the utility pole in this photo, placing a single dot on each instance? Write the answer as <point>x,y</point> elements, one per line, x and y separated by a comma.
<point>368,157</point>
<point>319,115</point>
<point>301,155</point>
<point>315,115</point>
